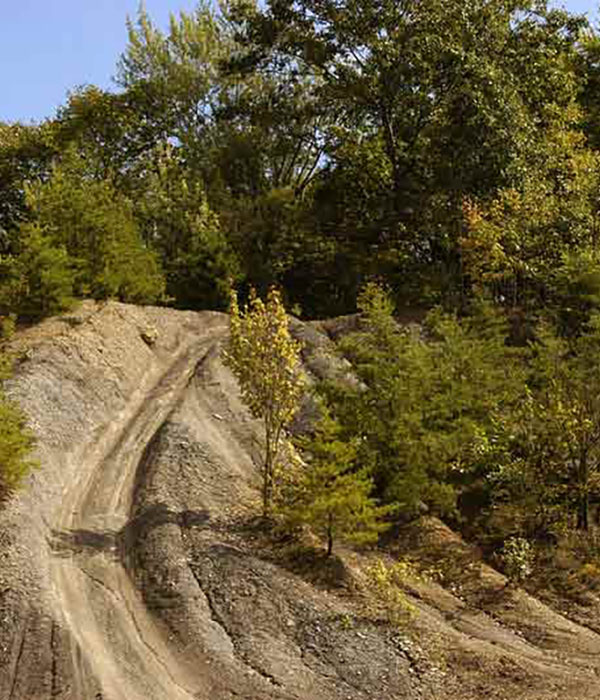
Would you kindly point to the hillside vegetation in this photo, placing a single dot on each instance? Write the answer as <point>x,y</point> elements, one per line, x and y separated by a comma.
<point>449,148</point>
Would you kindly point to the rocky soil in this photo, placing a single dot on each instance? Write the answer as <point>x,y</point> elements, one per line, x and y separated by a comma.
<point>134,566</point>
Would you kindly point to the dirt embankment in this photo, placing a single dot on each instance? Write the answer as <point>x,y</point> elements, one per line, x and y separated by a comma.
<point>132,567</point>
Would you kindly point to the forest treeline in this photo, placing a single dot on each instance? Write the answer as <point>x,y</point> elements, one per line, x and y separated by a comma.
<point>448,150</point>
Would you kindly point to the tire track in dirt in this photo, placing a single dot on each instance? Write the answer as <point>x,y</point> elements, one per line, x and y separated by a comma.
<point>109,623</point>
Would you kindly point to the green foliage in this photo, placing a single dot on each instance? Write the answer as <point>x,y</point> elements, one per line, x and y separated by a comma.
<point>427,102</point>
<point>81,239</point>
<point>385,584</point>
<point>518,558</point>
<point>544,455</point>
<point>332,495</point>
<point>39,280</point>
<point>524,243</point>
<point>178,222</point>
<point>576,285</point>
<point>175,72</point>
<point>266,362</point>
<point>95,224</point>
<point>314,145</point>
<point>26,153</point>
<point>7,327</point>
<point>425,401</point>
<point>16,441</point>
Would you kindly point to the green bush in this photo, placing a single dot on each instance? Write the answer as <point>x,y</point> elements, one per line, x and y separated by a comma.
<point>16,441</point>
<point>518,558</point>
<point>384,583</point>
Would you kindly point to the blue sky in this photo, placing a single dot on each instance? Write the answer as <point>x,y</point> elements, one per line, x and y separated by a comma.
<point>50,46</point>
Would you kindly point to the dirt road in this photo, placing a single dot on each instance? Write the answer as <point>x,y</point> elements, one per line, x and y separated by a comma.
<point>94,423</point>
<point>94,590</point>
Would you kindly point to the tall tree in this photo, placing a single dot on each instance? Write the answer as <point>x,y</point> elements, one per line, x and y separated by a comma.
<point>520,244</point>
<point>26,154</point>
<point>266,361</point>
<point>452,96</point>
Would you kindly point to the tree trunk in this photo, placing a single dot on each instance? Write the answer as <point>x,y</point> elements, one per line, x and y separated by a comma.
<point>266,492</point>
<point>583,520</point>
<point>583,516</point>
<point>329,535</point>
<point>267,474</point>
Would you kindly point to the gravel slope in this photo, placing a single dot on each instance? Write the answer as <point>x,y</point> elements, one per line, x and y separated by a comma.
<point>133,565</point>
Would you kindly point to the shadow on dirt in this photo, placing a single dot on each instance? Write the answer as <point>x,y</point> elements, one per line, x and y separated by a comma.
<point>65,543</point>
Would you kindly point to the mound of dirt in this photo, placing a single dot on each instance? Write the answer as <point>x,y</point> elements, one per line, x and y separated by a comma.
<point>134,567</point>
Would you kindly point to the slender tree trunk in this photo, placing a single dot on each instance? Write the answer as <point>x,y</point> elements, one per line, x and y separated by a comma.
<point>583,517</point>
<point>329,534</point>
<point>583,520</point>
<point>266,491</point>
<point>267,473</point>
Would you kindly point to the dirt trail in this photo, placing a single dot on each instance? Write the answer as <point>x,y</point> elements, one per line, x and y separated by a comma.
<point>94,590</point>
<point>96,387</point>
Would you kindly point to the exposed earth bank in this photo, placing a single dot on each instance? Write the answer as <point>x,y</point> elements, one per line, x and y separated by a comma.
<point>133,565</point>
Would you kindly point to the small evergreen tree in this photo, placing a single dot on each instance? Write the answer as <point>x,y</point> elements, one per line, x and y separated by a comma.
<point>39,280</point>
<point>266,361</point>
<point>333,496</point>
<point>93,222</point>
<point>548,452</point>
<point>427,396</point>
<point>176,219</point>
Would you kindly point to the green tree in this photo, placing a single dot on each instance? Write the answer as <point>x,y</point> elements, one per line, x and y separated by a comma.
<point>26,154</point>
<point>252,143</point>
<point>450,98</point>
<point>523,464</point>
<point>426,397</point>
<point>333,496</point>
<point>569,401</point>
<point>39,279</point>
<point>94,223</point>
<point>177,221</point>
<point>523,245</point>
<point>266,361</point>
<point>113,132</point>
<point>543,459</point>
<point>175,76</point>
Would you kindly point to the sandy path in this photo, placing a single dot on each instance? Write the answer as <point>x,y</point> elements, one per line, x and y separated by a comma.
<point>100,605</point>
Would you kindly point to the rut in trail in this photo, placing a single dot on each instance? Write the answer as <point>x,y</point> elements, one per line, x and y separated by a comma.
<point>101,606</point>
<point>96,402</point>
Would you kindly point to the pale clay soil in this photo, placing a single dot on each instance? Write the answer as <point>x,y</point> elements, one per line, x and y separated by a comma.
<point>133,566</point>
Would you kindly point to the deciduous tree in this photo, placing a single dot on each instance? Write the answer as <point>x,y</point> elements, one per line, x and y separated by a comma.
<point>266,361</point>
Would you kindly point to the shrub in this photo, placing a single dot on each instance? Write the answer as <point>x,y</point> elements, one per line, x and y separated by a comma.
<point>16,441</point>
<point>384,582</point>
<point>518,558</point>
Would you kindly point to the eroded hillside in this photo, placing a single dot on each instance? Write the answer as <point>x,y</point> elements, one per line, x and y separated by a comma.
<point>133,565</point>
